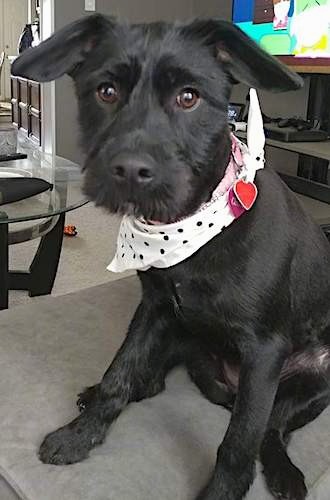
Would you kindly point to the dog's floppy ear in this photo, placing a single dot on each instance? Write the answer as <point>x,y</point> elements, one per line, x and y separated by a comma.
<point>243,59</point>
<point>64,51</point>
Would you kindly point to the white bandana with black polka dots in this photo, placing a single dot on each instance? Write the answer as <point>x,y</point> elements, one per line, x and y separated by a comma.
<point>142,245</point>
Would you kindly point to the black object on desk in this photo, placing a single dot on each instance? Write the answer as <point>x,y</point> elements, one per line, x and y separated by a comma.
<point>19,188</point>
<point>14,156</point>
<point>292,134</point>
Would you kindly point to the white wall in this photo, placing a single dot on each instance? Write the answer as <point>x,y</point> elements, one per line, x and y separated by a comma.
<point>48,132</point>
<point>13,18</point>
<point>213,8</point>
<point>147,10</point>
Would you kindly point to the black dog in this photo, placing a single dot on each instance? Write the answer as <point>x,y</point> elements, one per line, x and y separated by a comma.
<point>254,300</point>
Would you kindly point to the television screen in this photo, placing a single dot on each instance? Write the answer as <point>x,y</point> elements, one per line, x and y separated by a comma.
<point>296,28</point>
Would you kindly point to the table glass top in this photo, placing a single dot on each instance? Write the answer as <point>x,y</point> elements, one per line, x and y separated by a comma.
<point>66,194</point>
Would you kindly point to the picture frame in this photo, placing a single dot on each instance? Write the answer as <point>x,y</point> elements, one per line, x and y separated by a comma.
<point>235,112</point>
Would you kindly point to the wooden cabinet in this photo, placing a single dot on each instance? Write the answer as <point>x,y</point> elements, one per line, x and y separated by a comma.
<point>263,11</point>
<point>14,102</point>
<point>34,112</point>
<point>26,104</point>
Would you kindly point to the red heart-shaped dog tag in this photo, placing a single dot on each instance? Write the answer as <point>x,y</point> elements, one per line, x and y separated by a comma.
<point>246,193</point>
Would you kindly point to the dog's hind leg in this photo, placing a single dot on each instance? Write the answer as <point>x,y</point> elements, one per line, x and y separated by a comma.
<point>299,400</point>
<point>137,371</point>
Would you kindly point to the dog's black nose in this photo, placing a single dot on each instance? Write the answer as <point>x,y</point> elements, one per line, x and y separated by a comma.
<point>125,168</point>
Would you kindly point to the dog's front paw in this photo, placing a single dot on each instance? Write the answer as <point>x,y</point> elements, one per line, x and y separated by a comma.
<point>228,483</point>
<point>88,397</point>
<point>72,443</point>
<point>286,482</point>
<point>62,447</point>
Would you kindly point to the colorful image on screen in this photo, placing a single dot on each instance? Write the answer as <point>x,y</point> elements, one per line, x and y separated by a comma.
<point>286,27</point>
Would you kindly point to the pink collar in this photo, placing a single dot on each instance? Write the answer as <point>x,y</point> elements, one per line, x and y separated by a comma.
<point>231,174</point>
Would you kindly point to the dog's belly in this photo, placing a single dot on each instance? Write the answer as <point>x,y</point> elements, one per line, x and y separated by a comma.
<point>316,361</point>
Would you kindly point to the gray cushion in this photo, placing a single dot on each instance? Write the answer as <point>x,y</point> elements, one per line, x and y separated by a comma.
<point>6,491</point>
<point>162,448</point>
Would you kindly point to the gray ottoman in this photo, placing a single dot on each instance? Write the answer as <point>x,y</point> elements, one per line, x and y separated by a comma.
<point>159,449</point>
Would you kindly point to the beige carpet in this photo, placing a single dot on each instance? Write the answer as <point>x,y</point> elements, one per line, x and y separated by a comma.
<point>84,257</point>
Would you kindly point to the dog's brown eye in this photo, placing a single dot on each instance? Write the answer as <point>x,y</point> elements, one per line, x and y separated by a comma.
<point>107,92</point>
<point>188,99</point>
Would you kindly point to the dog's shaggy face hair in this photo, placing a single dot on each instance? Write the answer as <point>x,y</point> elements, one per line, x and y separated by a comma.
<point>166,106</point>
<point>156,94</point>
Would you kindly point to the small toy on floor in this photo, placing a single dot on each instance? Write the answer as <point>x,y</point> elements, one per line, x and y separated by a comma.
<point>70,230</point>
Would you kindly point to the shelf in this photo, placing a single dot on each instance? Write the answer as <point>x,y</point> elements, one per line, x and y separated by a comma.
<point>319,211</point>
<point>313,196</point>
<point>314,149</point>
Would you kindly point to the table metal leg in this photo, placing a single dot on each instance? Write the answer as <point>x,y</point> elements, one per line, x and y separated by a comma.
<point>3,265</point>
<point>40,277</point>
<point>45,263</point>
<point>326,230</point>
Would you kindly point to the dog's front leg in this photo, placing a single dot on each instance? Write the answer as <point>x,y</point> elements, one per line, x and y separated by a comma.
<point>138,365</point>
<point>259,378</point>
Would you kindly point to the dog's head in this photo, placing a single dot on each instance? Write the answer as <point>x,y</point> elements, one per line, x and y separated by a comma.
<point>153,104</point>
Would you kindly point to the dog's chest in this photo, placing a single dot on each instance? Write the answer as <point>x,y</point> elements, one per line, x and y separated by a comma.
<point>199,305</point>
<point>204,292</point>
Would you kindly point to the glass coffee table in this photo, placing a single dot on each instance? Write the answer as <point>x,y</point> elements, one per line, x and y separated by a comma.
<point>41,216</point>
